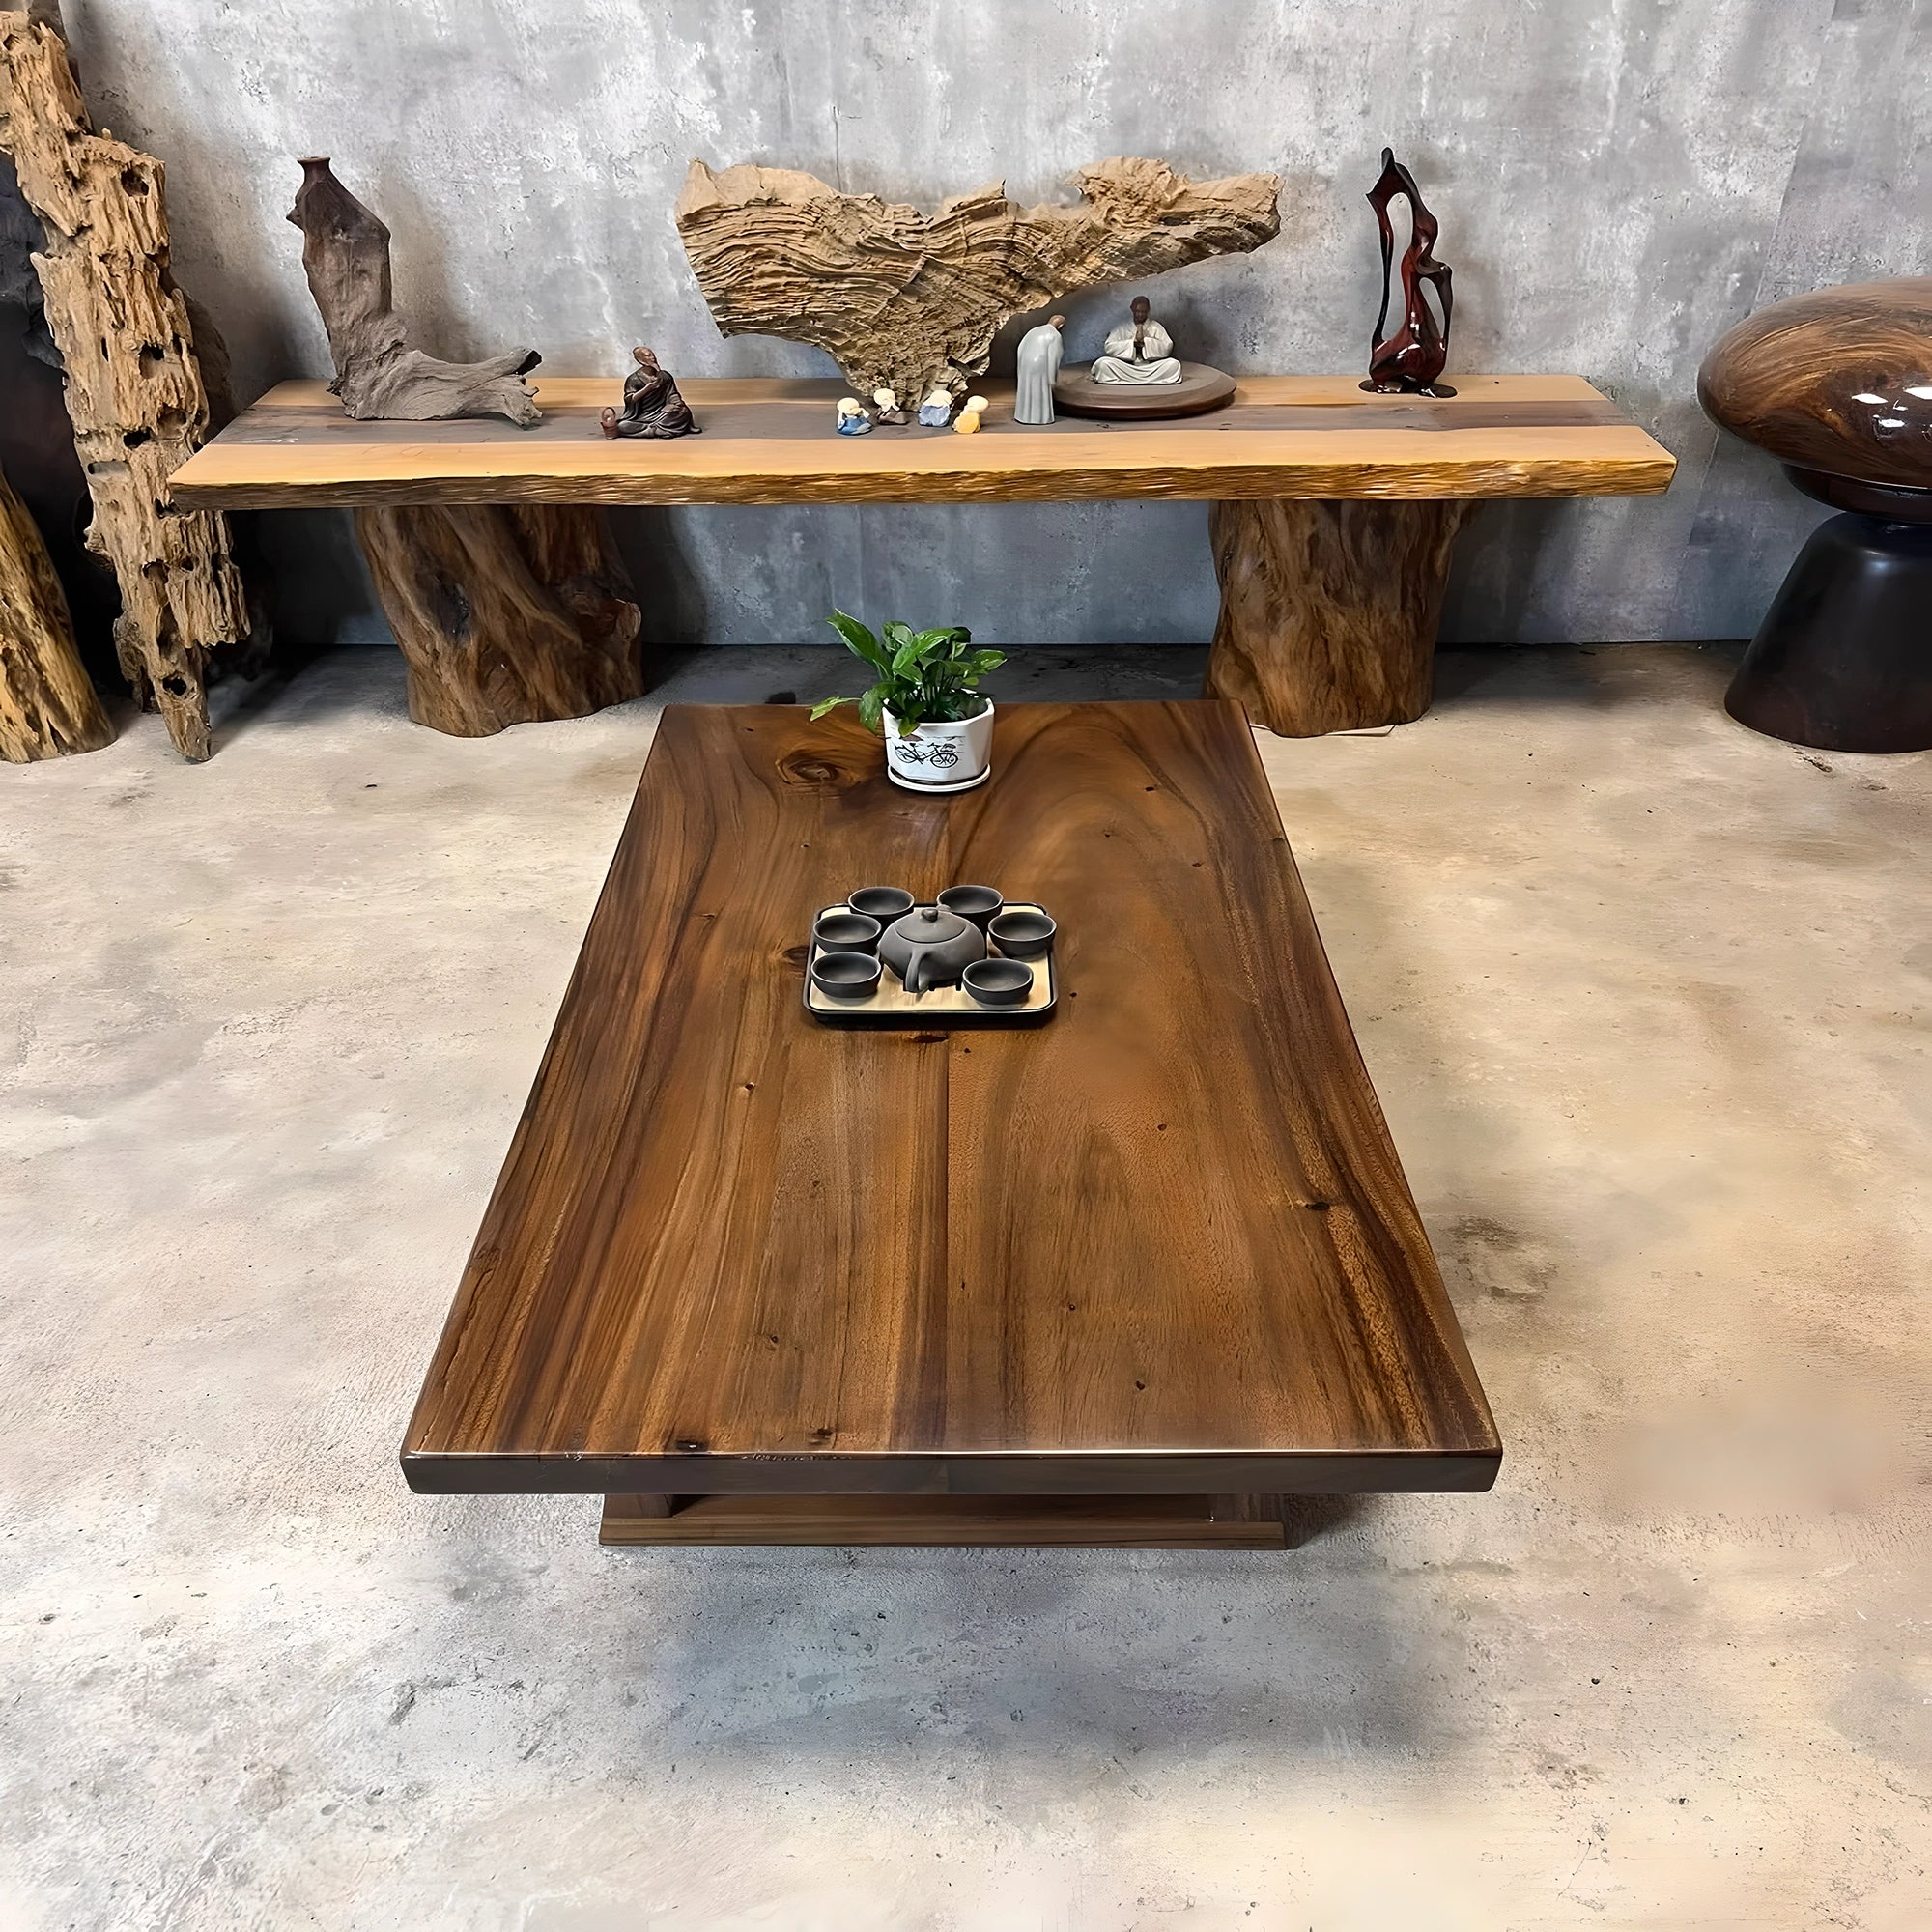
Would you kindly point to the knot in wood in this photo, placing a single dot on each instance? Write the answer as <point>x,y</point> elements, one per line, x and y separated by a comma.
<point>814,768</point>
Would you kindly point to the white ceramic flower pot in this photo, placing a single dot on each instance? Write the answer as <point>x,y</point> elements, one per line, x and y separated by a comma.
<point>941,758</point>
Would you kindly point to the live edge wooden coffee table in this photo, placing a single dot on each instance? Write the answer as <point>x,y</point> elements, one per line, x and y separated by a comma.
<point>1127,1279</point>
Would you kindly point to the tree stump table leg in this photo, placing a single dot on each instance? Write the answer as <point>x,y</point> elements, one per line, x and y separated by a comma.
<point>506,615</point>
<point>1329,609</point>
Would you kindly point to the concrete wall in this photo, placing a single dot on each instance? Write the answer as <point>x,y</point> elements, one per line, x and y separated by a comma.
<point>1618,180</point>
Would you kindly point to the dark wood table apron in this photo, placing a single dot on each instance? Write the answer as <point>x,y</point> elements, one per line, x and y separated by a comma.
<point>1125,1279</point>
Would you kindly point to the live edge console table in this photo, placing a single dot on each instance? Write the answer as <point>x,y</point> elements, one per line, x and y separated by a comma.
<point>1334,512</point>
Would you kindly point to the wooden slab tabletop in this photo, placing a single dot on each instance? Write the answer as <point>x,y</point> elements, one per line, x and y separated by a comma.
<point>772,442</point>
<point>1160,1245</point>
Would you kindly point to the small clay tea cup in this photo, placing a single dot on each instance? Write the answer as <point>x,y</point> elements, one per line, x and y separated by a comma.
<point>884,903</point>
<point>846,932</point>
<point>978,903</point>
<point>997,983</point>
<point>1023,935</point>
<point>846,975</point>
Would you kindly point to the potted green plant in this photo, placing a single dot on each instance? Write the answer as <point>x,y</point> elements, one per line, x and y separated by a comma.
<point>926,702</point>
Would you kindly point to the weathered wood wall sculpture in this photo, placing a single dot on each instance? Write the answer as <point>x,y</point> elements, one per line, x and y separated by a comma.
<point>346,254</point>
<point>904,301</point>
<point>47,707</point>
<point>134,390</point>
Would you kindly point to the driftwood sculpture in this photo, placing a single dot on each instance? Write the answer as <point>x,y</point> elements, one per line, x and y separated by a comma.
<point>47,705</point>
<point>346,253</point>
<point>1408,362</point>
<point>905,300</point>
<point>135,389</point>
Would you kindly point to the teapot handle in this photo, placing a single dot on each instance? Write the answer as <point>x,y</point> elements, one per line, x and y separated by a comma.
<point>910,978</point>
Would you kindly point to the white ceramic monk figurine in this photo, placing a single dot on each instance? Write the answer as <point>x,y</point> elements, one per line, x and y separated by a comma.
<point>1036,365</point>
<point>1137,351</point>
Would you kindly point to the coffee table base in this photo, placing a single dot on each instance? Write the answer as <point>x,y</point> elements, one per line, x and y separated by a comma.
<point>1099,1522</point>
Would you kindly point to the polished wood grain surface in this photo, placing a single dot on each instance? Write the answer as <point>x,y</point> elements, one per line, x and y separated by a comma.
<point>1837,380</point>
<point>1162,1245</point>
<point>772,442</point>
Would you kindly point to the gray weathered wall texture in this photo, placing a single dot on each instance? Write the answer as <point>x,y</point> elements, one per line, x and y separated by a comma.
<point>1618,182</point>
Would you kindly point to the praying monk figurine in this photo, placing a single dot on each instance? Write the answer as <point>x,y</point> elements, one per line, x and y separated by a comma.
<point>1037,364</point>
<point>1140,352</point>
<point>652,404</point>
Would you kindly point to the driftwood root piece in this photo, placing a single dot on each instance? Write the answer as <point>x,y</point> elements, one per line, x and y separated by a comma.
<point>135,389</point>
<point>1329,610</point>
<point>905,300</point>
<point>48,708</point>
<point>378,374</point>
<point>506,615</point>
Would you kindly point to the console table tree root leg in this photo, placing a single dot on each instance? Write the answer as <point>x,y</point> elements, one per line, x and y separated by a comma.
<point>506,615</point>
<point>47,705</point>
<point>1329,609</point>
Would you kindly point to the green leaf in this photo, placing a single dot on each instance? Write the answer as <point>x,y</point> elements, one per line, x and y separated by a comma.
<point>907,657</point>
<point>871,707</point>
<point>899,635</point>
<point>981,662</point>
<point>908,726</point>
<point>858,639</point>
<point>824,705</point>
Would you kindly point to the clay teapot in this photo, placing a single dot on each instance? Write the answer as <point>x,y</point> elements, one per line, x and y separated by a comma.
<point>931,947</point>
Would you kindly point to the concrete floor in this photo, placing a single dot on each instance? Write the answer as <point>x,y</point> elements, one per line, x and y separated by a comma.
<point>1644,997</point>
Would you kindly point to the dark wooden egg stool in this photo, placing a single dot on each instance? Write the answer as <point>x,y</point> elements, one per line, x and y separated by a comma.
<point>1838,385</point>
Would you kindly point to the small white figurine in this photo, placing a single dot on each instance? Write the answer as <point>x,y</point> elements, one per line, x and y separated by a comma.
<point>1140,351</point>
<point>969,416</point>
<point>888,411</point>
<point>852,418</point>
<point>1039,353</point>
<point>936,411</point>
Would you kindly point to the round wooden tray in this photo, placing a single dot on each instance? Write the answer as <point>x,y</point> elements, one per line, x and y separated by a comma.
<point>1199,390</point>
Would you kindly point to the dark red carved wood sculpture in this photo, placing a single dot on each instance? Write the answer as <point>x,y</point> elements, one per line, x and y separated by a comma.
<point>1408,362</point>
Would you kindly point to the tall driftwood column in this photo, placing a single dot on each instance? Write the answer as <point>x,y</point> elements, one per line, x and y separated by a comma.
<point>135,389</point>
<point>1329,609</point>
<point>505,613</point>
<point>47,705</point>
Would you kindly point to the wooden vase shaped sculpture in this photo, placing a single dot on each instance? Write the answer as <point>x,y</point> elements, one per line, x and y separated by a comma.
<point>504,615</point>
<point>1838,386</point>
<point>1410,361</point>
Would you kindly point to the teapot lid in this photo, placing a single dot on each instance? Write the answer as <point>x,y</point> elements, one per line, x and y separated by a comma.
<point>929,926</point>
